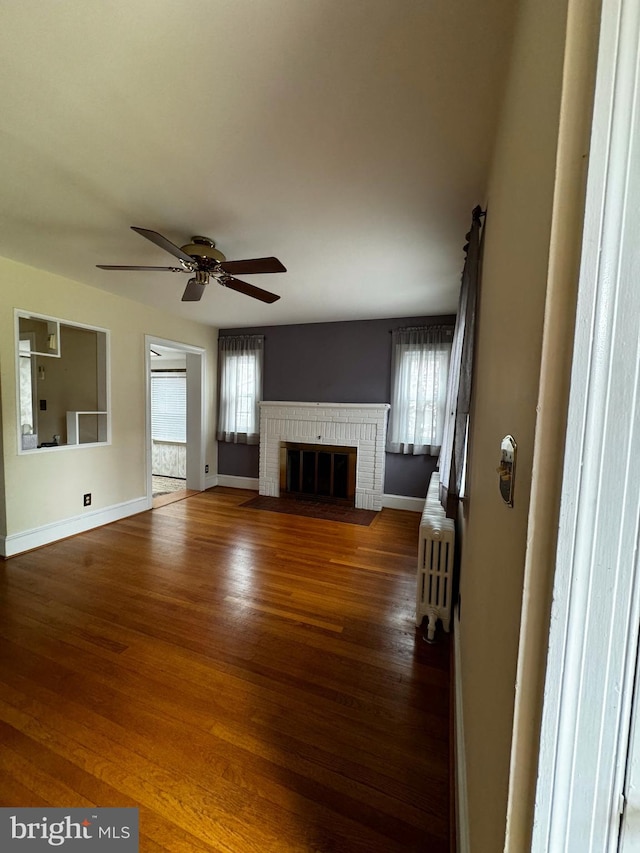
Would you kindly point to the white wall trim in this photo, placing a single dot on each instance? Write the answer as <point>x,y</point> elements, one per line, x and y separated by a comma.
<point>26,540</point>
<point>233,482</point>
<point>196,425</point>
<point>196,420</point>
<point>403,502</point>
<point>462,806</point>
<point>390,501</point>
<point>596,598</point>
<point>210,481</point>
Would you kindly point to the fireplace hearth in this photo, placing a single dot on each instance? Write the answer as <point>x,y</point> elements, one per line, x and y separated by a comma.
<point>318,472</point>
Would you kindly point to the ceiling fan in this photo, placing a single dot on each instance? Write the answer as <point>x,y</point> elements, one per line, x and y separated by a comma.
<point>201,258</point>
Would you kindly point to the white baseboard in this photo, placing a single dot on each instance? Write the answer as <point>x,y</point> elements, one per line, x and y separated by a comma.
<point>402,502</point>
<point>210,481</point>
<point>391,501</point>
<point>462,808</point>
<point>234,482</point>
<point>26,540</point>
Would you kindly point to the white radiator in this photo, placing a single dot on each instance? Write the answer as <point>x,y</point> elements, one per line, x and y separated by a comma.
<point>436,544</point>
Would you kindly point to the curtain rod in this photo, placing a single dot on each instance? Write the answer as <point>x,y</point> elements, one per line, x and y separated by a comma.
<point>447,327</point>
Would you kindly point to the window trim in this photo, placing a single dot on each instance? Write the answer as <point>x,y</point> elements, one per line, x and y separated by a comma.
<point>103,379</point>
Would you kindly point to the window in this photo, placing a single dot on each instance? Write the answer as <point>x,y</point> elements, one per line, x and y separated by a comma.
<point>419,368</point>
<point>169,406</point>
<point>240,364</point>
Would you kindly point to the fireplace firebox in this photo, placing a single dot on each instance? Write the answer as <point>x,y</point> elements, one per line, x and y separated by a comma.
<point>318,472</point>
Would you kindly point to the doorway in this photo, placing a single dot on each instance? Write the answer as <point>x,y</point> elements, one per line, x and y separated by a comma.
<point>175,424</point>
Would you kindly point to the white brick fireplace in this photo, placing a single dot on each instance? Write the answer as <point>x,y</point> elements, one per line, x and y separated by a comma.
<point>360,425</point>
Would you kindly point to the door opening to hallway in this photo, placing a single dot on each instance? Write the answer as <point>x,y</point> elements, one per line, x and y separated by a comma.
<point>175,436</point>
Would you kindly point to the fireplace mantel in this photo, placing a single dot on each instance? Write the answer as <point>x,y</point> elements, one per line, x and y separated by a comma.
<point>360,425</point>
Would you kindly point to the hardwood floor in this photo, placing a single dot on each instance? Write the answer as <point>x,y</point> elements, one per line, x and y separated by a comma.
<point>251,681</point>
<point>172,497</point>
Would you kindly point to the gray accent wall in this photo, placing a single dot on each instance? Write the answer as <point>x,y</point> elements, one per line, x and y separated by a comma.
<point>347,362</point>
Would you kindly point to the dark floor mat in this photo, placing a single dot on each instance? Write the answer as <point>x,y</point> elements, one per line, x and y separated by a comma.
<point>313,509</point>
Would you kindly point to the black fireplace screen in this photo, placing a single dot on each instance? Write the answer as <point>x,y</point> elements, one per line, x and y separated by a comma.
<point>318,471</point>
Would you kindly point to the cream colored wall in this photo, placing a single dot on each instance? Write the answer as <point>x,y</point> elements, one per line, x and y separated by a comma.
<point>47,487</point>
<point>509,340</point>
<point>3,514</point>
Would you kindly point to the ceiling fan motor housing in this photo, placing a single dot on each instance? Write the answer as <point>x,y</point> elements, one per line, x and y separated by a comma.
<point>204,251</point>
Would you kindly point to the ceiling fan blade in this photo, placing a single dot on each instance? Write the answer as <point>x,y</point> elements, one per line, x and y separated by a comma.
<point>165,244</point>
<point>248,289</point>
<point>252,266</point>
<point>193,291</point>
<point>116,267</point>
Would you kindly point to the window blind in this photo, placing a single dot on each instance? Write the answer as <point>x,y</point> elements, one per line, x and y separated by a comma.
<point>169,406</point>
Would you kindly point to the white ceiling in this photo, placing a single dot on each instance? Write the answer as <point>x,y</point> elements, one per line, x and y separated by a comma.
<point>350,138</point>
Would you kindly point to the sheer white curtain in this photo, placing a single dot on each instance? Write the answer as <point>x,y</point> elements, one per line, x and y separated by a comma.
<point>419,369</point>
<point>240,388</point>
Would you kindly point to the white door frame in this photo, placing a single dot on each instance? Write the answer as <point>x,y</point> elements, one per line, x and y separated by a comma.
<point>596,602</point>
<point>195,411</point>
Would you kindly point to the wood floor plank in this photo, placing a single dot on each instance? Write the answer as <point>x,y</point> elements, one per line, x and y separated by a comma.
<point>286,614</point>
<point>248,680</point>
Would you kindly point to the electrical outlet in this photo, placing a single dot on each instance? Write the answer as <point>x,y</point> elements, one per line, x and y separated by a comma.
<point>206,469</point>
<point>87,499</point>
